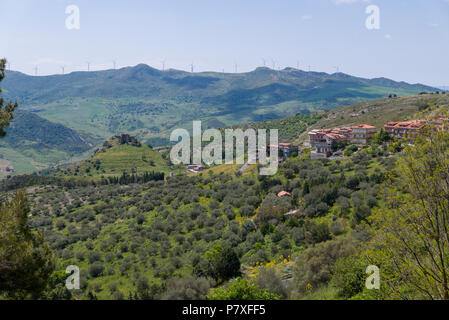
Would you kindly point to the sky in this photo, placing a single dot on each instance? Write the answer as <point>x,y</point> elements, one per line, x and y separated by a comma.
<point>410,44</point>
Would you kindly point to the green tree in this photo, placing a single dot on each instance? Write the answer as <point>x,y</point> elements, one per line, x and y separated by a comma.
<point>410,232</point>
<point>223,263</point>
<point>381,137</point>
<point>188,288</point>
<point>7,110</point>
<point>269,279</point>
<point>315,265</point>
<point>26,262</point>
<point>242,289</point>
<point>349,277</point>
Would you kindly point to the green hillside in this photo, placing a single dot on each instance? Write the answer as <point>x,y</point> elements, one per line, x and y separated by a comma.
<point>85,108</point>
<point>375,112</point>
<point>155,240</point>
<point>379,112</point>
<point>167,239</point>
<point>116,157</point>
<point>149,103</point>
<point>288,128</point>
<point>34,143</point>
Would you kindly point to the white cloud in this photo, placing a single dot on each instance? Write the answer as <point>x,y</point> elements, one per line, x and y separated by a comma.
<point>388,36</point>
<point>306,17</point>
<point>434,25</point>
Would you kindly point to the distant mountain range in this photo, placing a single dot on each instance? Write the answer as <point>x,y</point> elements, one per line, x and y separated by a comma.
<point>63,115</point>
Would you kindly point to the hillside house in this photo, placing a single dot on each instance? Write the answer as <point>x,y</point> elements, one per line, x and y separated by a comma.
<point>362,133</point>
<point>195,168</point>
<point>285,149</point>
<point>405,129</point>
<point>409,129</point>
<point>325,141</point>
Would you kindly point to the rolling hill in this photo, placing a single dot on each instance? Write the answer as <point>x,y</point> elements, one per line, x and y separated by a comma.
<point>147,102</point>
<point>33,142</point>
<point>117,155</point>
<point>63,115</point>
<point>379,112</point>
<point>375,112</point>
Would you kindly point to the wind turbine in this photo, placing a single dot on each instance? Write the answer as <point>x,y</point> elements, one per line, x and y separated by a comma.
<point>235,67</point>
<point>9,65</point>
<point>264,62</point>
<point>191,67</point>
<point>337,68</point>
<point>297,64</point>
<point>273,64</point>
<point>114,64</point>
<point>88,66</point>
<point>35,70</point>
<point>163,65</point>
<point>309,66</point>
<point>62,67</point>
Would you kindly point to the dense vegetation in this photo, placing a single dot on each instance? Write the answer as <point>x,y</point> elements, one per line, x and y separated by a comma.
<point>289,128</point>
<point>227,234</point>
<point>379,112</point>
<point>408,233</point>
<point>6,110</point>
<point>146,240</point>
<point>190,237</point>
<point>150,103</point>
<point>26,262</point>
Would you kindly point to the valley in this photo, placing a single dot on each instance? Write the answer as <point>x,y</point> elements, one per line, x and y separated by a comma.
<point>149,103</point>
<point>169,237</point>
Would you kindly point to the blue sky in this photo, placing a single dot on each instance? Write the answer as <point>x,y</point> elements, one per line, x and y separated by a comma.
<point>411,45</point>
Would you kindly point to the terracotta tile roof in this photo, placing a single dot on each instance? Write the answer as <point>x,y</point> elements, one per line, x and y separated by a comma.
<point>335,136</point>
<point>413,124</point>
<point>283,193</point>
<point>363,126</point>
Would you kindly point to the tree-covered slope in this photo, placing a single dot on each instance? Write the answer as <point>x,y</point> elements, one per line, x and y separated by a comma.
<point>149,103</point>
<point>34,143</point>
<point>380,111</point>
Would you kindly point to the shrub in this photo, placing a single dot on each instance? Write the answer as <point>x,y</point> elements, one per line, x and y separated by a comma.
<point>242,289</point>
<point>315,264</point>
<point>223,263</point>
<point>96,269</point>
<point>188,288</point>
<point>270,280</point>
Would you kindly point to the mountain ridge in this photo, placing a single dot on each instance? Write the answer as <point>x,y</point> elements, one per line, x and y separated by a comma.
<point>149,103</point>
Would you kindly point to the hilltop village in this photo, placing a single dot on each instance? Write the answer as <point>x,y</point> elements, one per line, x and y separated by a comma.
<point>326,142</point>
<point>330,143</point>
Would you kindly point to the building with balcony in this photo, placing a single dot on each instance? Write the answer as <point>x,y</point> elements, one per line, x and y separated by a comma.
<point>362,133</point>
